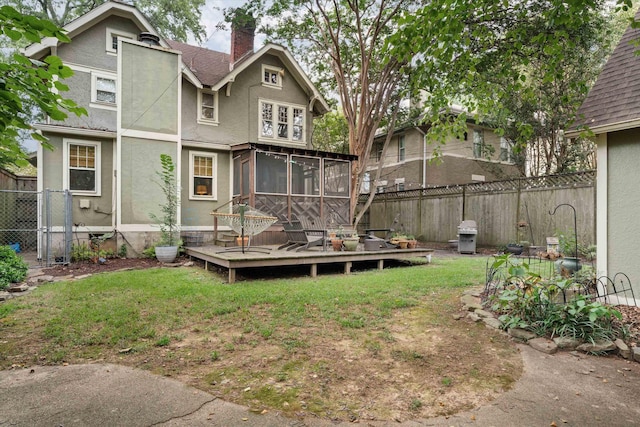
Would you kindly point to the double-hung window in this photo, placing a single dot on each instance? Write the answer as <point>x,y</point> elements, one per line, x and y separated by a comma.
<point>103,90</point>
<point>282,122</point>
<point>478,143</point>
<point>82,167</point>
<point>202,179</point>
<point>401,148</point>
<point>207,107</point>
<point>506,154</point>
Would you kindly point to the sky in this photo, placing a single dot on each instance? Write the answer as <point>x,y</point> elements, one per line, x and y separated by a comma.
<point>220,40</point>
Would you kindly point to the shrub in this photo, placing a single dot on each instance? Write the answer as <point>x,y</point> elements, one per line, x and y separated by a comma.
<point>13,269</point>
<point>530,302</point>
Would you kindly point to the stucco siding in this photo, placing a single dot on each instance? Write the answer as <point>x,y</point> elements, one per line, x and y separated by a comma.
<point>141,194</point>
<point>52,177</point>
<point>89,48</point>
<point>623,205</point>
<point>150,83</point>
<point>80,92</point>
<point>198,212</point>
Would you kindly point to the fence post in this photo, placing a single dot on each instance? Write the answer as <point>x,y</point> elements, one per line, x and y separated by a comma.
<point>68,220</point>
<point>518,202</point>
<point>464,202</point>
<point>47,207</point>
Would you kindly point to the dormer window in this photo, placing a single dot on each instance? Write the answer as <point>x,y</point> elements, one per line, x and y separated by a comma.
<point>112,39</point>
<point>272,76</point>
<point>207,107</point>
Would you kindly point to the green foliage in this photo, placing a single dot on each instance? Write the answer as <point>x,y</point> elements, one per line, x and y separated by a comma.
<point>13,269</point>
<point>331,133</point>
<point>168,221</point>
<point>531,302</point>
<point>567,246</point>
<point>83,252</point>
<point>525,66</point>
<point>174,20</point>
<point>122,252</point>
<point>25,82</point>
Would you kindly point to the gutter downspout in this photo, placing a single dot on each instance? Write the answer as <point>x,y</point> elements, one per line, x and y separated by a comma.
<point>424,158</point>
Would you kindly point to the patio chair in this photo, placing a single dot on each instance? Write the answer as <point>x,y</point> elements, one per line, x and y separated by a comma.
<point>296,236</point>
<point>315,232</point>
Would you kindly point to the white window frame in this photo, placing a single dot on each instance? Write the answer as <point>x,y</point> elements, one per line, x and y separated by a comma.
<point>116,33</point>
<point>478,143</point>
<point>214,175</point>
<point>205,120</point>
<point>95,103</point>
<point>66,166</point>
<point>279,72</point>
<point>290,122</point>
<point>402,148</point>
<point>504,145</point>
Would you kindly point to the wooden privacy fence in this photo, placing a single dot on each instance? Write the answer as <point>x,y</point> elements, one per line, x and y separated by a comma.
<point>498,207</point>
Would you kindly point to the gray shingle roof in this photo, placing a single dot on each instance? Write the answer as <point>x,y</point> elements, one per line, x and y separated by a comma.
<point>615,97</point>
<point>209,66</point>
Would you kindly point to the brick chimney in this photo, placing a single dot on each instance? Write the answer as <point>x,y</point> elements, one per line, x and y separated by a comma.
<point>242,34</point>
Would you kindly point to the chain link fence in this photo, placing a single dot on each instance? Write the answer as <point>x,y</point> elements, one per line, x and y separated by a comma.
<point>37,224</point>
<point>19,220</point>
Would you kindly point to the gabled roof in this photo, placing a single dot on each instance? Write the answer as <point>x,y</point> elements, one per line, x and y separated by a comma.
<point>208,66</point>
<point>92,17</point>
<point>212,67</point>
<point>202,66</point>
<point>613,103</point>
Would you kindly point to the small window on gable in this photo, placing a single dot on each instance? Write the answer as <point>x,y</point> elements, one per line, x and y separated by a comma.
<point>202,179</point>
<point>207,107</point>
<point>103,90</point>
<point>112,39</point>
<point>82,167</point>
<point>272,76</point>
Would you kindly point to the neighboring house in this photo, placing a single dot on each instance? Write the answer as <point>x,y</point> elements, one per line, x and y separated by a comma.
<point>238,128</point>
<point>409,163</point>
<point>612,112</point>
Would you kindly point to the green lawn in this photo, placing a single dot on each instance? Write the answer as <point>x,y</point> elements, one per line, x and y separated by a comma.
<point>189,324</point>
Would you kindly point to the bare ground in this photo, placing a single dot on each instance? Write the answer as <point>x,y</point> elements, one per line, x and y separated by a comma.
<point>423,363</point>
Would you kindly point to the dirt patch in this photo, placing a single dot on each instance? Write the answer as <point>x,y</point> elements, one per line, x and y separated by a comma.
<point>112,264</point>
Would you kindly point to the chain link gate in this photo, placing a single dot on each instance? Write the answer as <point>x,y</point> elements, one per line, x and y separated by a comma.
<point>56,227</point>
<point>37,225</point>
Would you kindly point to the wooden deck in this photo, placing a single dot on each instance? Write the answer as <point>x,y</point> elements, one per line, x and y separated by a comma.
<point>235,259</point>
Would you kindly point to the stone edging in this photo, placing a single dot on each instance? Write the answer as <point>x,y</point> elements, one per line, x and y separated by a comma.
<point>474,310</point>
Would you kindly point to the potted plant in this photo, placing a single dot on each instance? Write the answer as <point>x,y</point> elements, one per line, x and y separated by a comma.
<point>167,249</point>
<point>351,242</point>
<point>412,243</point>
<point>514,248</point>
<point>569,263</point>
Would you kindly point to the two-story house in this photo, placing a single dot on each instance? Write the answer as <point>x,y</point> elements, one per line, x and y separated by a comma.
<point>409,162</point>
<point>238,127</point>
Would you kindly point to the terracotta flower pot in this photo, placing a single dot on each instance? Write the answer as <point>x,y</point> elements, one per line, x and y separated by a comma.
<point>336,244</point>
